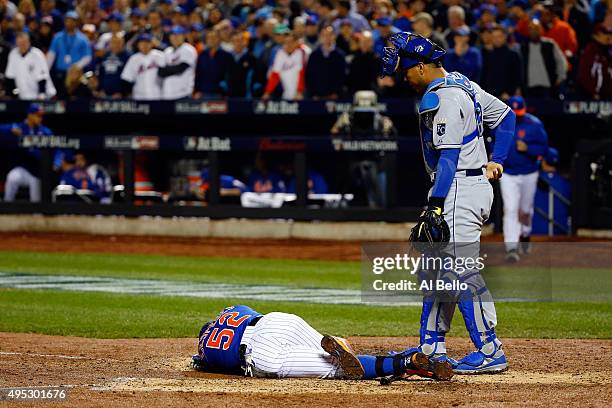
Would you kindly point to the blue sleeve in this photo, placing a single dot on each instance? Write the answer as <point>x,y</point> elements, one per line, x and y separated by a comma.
<point>54,45</point>
<point>539,146</point>
<point>504,135</point>
<point>477,64</point>
<point>445,173</point>
<point>5,130</point>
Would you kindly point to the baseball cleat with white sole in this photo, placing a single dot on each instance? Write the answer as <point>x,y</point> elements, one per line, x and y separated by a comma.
<point>478,363</point>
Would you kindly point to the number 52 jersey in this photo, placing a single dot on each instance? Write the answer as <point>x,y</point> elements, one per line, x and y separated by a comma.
<point>219,344</point>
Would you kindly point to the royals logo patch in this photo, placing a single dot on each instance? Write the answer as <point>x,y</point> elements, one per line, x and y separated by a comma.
<point>441,129</point>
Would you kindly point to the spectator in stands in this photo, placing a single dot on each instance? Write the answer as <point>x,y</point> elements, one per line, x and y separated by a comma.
<point>325,9</point>
<point>422,24</point>
<point>311,37</point>
<point>595,68</point>
<point>242,78</point>
<point>558,30</point>
<point>544,62</point>
<point>578,20</point>
<point>69,47</point>
<point>137,26</point>
<point>43,37</point>
<point>326,69</point>
<point>27,161</point>
<point>363,69</point>
<point>344,40</point>
<point>212,68</point>
<point>178,72</point>
<point>90,12</point>
<point>156,29</point>
<point>80,85</point>
<point>462,57</point>
<point>141,71</point>
<point>383,31</point>
<point>288,70</point>
<point>264,180</point>
<point>194,37</point>
<point>343,11</point>
<point>109,69</point>
<point>115,28</point>
<point>27,74</point>
<point>456,22</point>
<point>500,75</point>
<point>47,9</point>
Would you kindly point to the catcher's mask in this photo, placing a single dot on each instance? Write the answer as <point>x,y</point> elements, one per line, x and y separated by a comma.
<point>408,50</point>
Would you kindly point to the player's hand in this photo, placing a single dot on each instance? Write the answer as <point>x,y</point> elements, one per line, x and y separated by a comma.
<point>265,96</point>
<point>16,131</point>
<point>299,96</point>
<point>521,146</point>
<point>494,170</point>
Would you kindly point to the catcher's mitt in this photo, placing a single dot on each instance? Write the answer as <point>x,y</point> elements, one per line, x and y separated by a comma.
<point>431,227</point>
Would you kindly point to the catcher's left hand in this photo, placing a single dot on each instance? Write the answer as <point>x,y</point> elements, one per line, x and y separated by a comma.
<point>431,227</point>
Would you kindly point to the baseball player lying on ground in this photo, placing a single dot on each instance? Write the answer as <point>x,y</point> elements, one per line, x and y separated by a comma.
<point>281,345</point>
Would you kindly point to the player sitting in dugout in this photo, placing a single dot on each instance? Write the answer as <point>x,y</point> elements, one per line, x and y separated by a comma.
<point>280,345</point>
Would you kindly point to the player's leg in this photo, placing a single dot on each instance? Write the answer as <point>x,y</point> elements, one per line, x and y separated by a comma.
<point>511,193</point>
<point>20,177</point>
<point>475,198</point>
<point>284,345</point>
<point>436,313</point>
<point>528,191</point>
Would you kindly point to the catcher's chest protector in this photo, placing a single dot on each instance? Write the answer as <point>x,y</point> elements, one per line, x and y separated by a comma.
<point>429,106</point>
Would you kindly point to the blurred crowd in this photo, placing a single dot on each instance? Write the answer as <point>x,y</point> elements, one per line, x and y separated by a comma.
<point>317,49</point>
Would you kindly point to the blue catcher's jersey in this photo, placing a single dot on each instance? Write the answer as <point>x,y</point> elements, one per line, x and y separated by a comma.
<point>219,345</point>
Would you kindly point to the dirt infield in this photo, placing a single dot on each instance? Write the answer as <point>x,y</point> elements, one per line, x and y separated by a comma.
<point>243,248</point>
<point>138,372</point>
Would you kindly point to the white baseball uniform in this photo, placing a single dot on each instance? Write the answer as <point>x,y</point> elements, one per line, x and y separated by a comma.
<point>141,70</point>
<point>27,71</point>
<point>455,120</point>
<point>181,85</point>
<point>284,345</point>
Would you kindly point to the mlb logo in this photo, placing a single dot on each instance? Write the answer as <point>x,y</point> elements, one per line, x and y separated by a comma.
<point>440,129</point>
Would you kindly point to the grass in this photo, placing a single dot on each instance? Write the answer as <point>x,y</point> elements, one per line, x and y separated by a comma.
<point>297,273</point>
<point>104,315</point>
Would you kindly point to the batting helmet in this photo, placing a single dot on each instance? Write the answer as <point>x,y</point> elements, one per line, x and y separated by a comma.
<point>408,50</point>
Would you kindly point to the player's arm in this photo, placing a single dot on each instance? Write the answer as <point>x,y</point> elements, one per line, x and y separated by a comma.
<point>171,70</point>
<point>539,145</point>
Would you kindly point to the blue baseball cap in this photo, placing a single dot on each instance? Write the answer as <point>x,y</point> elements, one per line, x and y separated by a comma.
<point>312,20</point>
<point>136,12</point>
<point>177,29</point>
<point>408,50</point>
<point>198,27</point>
<point>144,37</point>
<point>517,103</point>
<point>72,14</point>
<point>524,4</point>
<point>118,17</point>
<point>35,108</point>
<point>486,8</point>
<point>552,156</point>
<point>384,21</point>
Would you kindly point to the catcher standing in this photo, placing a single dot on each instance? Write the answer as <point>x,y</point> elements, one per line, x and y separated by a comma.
<point>452,113</point>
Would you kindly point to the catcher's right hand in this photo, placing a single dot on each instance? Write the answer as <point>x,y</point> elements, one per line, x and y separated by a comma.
<point>431,227</point>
